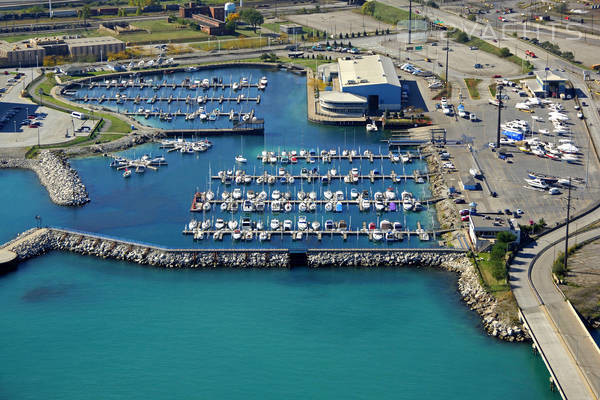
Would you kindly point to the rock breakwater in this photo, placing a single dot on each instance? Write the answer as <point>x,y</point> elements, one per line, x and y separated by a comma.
<point>479,300</point>
<point>55,172</point>
<point>39,241</point>
<point>52,239</point>
<point>380,258</point>
<point>471,291</point>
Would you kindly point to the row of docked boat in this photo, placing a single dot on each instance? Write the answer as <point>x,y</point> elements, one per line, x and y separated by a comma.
<point>385,201</point>
<point>312,156</point>
<point>205,83</point>
<point>186,147</point>
<point>353,176</point>
<point>137,165</point>
<point>247,230</point>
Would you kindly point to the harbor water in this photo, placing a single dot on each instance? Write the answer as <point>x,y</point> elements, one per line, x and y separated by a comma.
<point>78,327</point>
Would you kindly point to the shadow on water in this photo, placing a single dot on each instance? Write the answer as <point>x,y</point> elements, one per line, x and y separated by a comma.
<point>47,292</point>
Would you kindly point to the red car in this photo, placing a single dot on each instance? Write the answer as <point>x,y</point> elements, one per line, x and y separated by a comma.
<point>464,218</point>
<point>497,76</point>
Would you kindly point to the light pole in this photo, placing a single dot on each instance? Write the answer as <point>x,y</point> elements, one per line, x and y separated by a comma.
<point>499,99</point>
<point>567,226</point>
<point>447,51</point>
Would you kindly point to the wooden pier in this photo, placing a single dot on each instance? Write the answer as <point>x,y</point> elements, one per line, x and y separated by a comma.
<point>249,235</point>
<point>309,178</point>
<point>342,157</point>
<point>171,85</point>
<point>187,100</point>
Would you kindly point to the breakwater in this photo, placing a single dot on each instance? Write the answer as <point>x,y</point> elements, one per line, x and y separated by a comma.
<point>48,239</point>
<point>36,242</point>
<point>55,173</point>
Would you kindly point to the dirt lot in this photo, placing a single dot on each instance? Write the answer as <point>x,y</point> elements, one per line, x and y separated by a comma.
<point>583,281</point>
<point>339,22</point>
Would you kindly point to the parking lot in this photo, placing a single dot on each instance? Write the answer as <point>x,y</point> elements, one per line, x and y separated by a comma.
<point>21,120</point>
<point>507,177</point>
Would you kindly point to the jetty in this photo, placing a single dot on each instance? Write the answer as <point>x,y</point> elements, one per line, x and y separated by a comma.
<point>39,241</point>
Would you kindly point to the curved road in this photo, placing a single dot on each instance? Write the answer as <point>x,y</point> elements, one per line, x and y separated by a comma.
<point>573,355</point>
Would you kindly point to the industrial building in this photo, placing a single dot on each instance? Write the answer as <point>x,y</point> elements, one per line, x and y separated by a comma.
<point>97,47</point>
<point>372,77</point>
<point>291,29</point>
<point>210,19</point>
<point>20,54</point>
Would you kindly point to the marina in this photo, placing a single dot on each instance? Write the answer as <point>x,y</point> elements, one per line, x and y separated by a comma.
<point>193,102</point>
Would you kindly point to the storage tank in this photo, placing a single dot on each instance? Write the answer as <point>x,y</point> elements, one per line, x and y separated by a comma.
<point>229,8</point>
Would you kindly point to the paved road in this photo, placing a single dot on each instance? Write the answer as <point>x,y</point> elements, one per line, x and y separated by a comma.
<point>572,353</point>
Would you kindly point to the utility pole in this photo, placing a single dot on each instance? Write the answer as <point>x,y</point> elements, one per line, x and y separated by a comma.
<point>499,98</point>
<point>447,50</point>
<point>567,226</point>
<point>409,20</point>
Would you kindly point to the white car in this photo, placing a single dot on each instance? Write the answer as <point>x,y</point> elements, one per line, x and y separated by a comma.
<point>473,117</point>
<point>492,145</point>
<point>519,211</point>
<point>444,101</point>
<point>507,141</point>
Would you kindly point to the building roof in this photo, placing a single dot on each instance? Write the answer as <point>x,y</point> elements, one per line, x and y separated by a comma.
<point>550,76</point>
<point>500,225</point>
<point>341,97</point>
<point>367,70</point>
<point>93,41</point>
<point>18,46</point>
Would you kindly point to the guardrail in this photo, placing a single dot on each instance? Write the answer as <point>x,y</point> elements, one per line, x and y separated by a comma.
<point>541,351</point>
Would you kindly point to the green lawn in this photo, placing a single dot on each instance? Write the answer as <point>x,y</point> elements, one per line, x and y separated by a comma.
<point>492,88</point>
<point>117,124</point>
<point>160,31</point>
<point>391,15</point>
<point>485,269</point>
<point>472,87</point>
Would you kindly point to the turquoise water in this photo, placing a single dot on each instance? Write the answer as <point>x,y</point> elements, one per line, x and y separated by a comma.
<point>78,327</point>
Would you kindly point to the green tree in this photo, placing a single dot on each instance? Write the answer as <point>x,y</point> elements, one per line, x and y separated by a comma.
<point>230,26</point>
<point>472,17</point>
<point>504,52</point>
<point>84,13</point>
<point>505,237</point>
<point>123,13</point>
<point>368,8</point>
<point>462,37</point>
<point>252,17</point>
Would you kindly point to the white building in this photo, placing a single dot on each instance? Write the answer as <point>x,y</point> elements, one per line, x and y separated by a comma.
<point>372,77</point>
<point>342,104</point>
<point>482,230</point>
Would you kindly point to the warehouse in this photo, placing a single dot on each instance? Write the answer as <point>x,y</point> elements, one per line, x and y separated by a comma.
<point>96,47</point>
<point>372,77</point>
